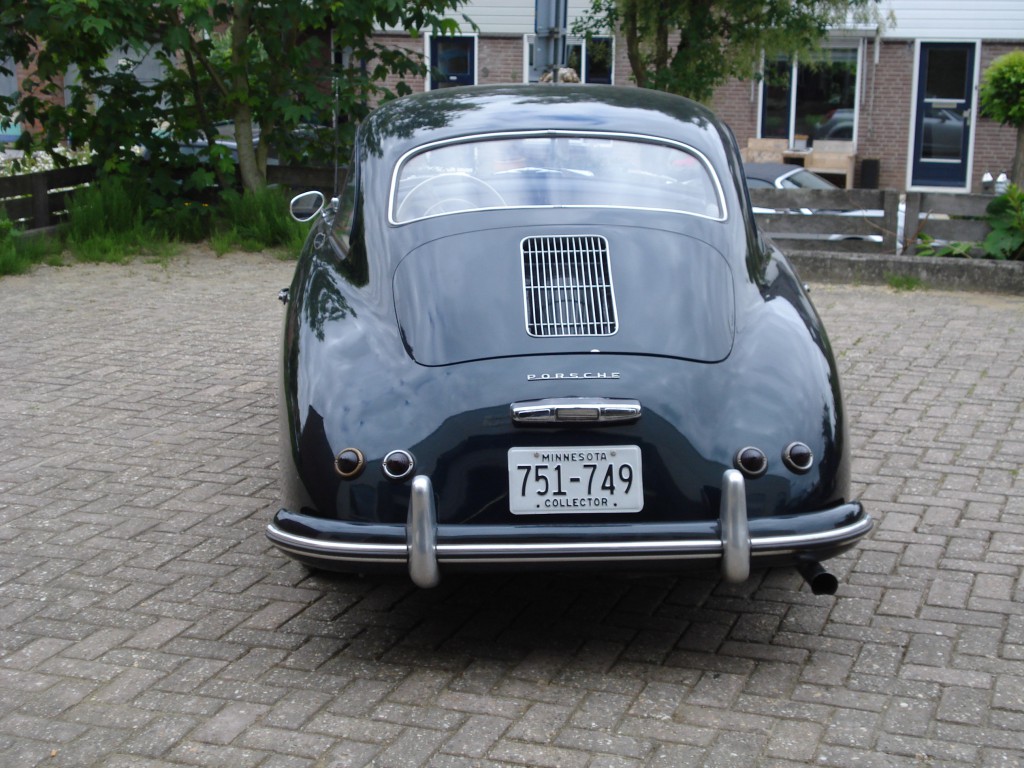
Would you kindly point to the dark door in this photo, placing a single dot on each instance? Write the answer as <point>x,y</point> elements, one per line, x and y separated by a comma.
<point>942,131</point>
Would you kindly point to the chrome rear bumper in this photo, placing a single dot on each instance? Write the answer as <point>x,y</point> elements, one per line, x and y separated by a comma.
<point>424,552</point>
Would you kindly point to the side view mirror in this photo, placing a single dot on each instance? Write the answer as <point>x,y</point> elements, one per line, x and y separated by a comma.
<point>307,205</point>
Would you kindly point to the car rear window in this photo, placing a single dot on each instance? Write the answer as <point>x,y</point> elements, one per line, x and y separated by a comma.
<point>524,171</point>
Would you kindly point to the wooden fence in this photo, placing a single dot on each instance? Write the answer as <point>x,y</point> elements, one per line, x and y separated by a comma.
<point>40,200</point>
<point>857,220</point>
<point>867,221</point>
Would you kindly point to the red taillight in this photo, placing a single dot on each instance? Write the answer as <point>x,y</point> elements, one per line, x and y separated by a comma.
<point>398,465</point>
<point>798,457</point>
<point>751,461</point>
<point>349,463</point>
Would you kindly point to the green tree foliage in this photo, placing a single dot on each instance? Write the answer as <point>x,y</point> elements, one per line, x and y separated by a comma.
<point>1006,217</point>
<point>1002,99</point>
<point>263,67</point>
<point>690,47</point>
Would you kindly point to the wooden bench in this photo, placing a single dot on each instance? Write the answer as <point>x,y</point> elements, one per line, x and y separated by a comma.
<point>833,160</point>
<point>764,150</point>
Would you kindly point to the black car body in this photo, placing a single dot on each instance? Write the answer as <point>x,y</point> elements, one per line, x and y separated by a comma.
<point>540,329</point>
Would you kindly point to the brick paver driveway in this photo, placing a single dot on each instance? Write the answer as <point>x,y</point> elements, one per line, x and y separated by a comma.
<point>144,621</point>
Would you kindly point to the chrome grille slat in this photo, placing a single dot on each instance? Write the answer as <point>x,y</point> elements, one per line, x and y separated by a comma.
<point>567,286</point>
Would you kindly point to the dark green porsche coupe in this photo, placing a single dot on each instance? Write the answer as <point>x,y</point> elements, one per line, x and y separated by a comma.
<point>538,328</point>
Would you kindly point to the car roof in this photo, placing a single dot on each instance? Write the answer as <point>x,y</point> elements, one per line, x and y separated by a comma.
<point>768,171</point>
<point>449,113</point>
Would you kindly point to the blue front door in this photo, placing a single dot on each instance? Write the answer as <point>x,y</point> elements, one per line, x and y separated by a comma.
<point>942,130</point>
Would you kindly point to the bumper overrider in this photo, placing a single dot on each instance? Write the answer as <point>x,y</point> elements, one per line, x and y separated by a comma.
<point>424,547</point>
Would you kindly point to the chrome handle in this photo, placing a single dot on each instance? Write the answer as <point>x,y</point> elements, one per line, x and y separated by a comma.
<point>575,410</point>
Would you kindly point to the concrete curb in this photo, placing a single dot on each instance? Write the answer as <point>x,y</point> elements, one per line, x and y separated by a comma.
<point>950,274</point>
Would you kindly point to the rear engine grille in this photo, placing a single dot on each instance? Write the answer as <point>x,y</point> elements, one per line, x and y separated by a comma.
<point>567,285</point>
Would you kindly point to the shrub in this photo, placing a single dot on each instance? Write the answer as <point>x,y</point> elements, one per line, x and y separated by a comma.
<point>1006,218</point>
<point>185,220</point>
<point>10,262</point>
<point>19,253</point>
<point>106,221</point>
<point>115,219</point>
<point>928,246</point>
<point>1005,240</point>
<point>257,220</point>
<point>1002,98</point>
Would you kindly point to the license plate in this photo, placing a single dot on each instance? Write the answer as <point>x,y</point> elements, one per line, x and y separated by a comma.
<point>555,481</point>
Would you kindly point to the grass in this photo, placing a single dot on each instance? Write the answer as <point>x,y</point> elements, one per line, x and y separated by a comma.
<point>256,221</point>
<point>106,223</point>
<point>903,282</point>
<point>20,252</point>
<point>109,222</point>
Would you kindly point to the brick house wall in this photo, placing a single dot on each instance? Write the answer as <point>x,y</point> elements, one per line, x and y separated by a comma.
<point>23,77</point>
<point>883,130</point>
<point>413,45</point>
<point>887,93</point>
<point>994,144</point>
<point>736,103</point>
<point>499,59</point>
<point>886,98</point>
<point>884,127</point>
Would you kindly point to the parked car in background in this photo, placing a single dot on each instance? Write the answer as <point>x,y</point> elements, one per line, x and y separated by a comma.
<point>942,130</point>
<point>789,176</point>
<point>783,176</point>
<point>539,329</point>
<point>837,124</point>
<point>305,144</point>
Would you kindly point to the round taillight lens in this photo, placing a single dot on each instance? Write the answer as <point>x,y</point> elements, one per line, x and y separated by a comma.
<point>751,461</point>
<point>398,465</point>
<point>349,463</point>
<point>798,457</point>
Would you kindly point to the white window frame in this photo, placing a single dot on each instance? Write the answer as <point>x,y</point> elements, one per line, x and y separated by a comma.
<point>581,41</point>
<point>858,88</point>
<point>428,45</point>
<point>915,80</point>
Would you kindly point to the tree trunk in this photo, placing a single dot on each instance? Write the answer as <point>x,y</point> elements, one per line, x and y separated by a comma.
<point>248,167</point>
<point>632,35</point>
<point>1017,172</point>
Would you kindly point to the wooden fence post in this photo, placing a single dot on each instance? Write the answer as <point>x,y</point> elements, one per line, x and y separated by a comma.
<point>891,216</point>
<point>911,222</point>
<point>40,200</point>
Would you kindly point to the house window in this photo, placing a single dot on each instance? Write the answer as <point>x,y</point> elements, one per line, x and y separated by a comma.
<point>592,60</point>
<point>808,100</point>
<point>452,61</point>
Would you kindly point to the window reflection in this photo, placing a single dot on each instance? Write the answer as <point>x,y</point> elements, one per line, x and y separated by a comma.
<point>943,134</point>
<point>532,171</point>
<point>819,94</point>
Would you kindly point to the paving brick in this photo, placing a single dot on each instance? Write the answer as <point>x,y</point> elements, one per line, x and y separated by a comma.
<point>539,756</point>
<point>964,705</point>
<point>145,621</point>
<point>228,723</point>
<point>427,716</point>
<point>477,735</point>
